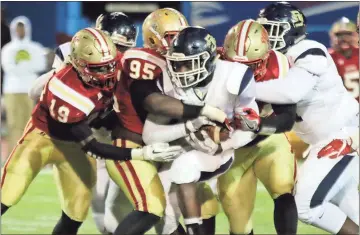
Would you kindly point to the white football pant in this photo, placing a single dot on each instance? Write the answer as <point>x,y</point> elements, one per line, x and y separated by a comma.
<point>327,189</point>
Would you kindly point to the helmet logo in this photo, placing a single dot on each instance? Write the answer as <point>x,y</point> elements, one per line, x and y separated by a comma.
<point>210,42</point>
<point>297,18</point>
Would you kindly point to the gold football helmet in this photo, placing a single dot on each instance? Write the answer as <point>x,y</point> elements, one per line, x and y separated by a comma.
<point>343,34</point>
<point>160,28</point>
<point>248,42</point>
<point>94,56</point>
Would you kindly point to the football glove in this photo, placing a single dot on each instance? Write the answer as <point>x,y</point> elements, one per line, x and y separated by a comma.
<point>247,120</point>
<point>204,143</point>
<point>336,148</point>
<point>195,124</point>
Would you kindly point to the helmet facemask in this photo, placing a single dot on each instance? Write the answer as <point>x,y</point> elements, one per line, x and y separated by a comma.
<point>258,67</point>
<point>187,71</point>
<point>276,31</point>
<point>101,76</point>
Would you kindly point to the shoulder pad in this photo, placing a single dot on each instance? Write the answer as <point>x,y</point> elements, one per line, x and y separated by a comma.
<point>305,48</point>
<point>74,100</point>
<point>239,78</point>
<point>143,64</point>
<point>309,55</point>
<point>145,54</point>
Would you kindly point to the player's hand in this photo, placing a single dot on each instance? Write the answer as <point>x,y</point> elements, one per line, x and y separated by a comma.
<point>195,124</point>
<point>161,152</point>
<point>215,114</point>
<point>336,148</point>
<point>204,143</point>
<point>247,120</point>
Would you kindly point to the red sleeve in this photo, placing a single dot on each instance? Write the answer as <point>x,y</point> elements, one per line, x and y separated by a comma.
<point>143,64</point>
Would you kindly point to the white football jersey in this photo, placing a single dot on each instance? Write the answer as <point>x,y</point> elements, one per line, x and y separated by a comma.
<point>322,110</point>
<point>231,89</point>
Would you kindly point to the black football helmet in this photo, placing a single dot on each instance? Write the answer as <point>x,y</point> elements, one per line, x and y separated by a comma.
<point>286,25</point>
<point>191,57</point>
<point>120,28</point>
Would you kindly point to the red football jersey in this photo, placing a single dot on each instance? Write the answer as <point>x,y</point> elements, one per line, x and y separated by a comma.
<point>136,63</point>
<point>66,99</point>
<point>277,67</point>
<point>348,69</point>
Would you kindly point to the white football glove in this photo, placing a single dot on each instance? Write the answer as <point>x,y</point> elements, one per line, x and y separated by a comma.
<point>207,145</point>
<point>195,124</point>
<point>159,152</point>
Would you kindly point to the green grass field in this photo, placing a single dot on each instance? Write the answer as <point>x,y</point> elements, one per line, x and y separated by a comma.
<point>39,210</point>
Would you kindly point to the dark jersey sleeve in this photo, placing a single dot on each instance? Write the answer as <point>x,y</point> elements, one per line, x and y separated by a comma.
<point>282,121</point>
<point>147,97</point>
<point>83,133</point>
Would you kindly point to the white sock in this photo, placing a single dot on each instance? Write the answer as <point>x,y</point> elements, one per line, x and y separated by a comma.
<point>194,220</point>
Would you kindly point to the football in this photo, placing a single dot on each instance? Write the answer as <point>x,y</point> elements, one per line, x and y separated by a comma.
<point>216,133</point>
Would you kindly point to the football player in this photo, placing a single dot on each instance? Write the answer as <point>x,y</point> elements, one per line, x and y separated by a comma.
<point>268,157</point>
<point>345,53</point>
<point>198,76</point>
<point>327,118</point>
<point>109,204</point>
<point>58,132</point>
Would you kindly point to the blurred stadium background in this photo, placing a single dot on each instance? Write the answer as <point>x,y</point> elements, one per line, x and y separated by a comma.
<point>53,23</point>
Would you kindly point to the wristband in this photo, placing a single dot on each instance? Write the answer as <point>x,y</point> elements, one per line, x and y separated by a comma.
<point>266,130</point>
<point>137,154</point>
<point>213,113</point>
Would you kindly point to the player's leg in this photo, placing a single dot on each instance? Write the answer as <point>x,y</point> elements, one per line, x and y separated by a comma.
<point>209,207</point>
<point>141,184</point>
<point>320,181</point>
<point>346,200</point>
<point>237,191</point>
<point>276,168</point>
<point>99,196</point>
<point>28,157</point>
<point>75,176</point>
<point>117,207</point>
<point>192,167</point>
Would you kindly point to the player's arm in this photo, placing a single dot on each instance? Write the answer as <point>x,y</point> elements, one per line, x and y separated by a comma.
<point>146,93</point>
<point>290,90</point>
<point>283,121</point>
<point>94,148</point>
<point>158,130</point>
<point>301,79</point>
